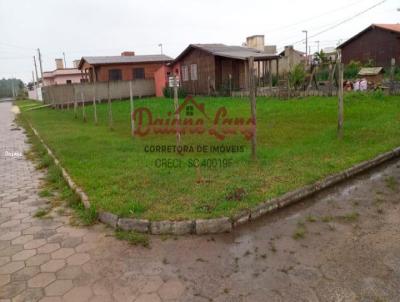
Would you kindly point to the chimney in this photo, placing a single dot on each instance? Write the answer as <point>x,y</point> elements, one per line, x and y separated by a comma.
<point>256,42</point>
<point>127,53</point>
<point>76,63</point>
<point>59,64</point>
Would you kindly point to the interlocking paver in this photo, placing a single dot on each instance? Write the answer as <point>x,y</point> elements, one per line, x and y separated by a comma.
<point>62,253</point>
<point>48,248</point>
<point>12,289</point>
<point>58,287</point>
<point>12,267</point>
<point>78,294</point>
<point>37,259</point>
<point>22,239</point>
<point>78,259</point>
<point>52,266</point>
<point>4,279</point>
<point>23,255</point>
<point>41,280</point>
<point>34,244</point>
<point>26,273</point>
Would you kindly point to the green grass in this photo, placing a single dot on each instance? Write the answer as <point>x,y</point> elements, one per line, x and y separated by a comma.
<point>297,145</point>
<point>133,238</point>
<point>55,183</point>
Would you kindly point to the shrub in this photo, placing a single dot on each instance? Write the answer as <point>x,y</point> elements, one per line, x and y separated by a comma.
<point>297,76</point>
<point>168,92</point>
<point>351,70</point>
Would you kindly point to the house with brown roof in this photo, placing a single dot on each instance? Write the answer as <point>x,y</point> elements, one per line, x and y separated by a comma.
<point>213,68</point>
<point>378,42</point>
<point>125,67</point>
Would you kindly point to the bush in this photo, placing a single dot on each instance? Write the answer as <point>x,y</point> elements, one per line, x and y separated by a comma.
<point>351,70</point>
<point>168,92</point>
<point>297,76</point>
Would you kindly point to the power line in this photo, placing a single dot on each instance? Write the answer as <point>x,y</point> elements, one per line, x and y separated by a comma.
<point>343,21</point>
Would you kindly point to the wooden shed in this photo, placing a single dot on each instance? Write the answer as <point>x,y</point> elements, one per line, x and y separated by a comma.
<point>217,68</point>
<point>373,75</point>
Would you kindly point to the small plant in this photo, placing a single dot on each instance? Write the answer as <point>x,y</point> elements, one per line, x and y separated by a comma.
<point>41,213</point>
<point>44,162</point>
<point>83,216</point>
<point>350,217</point>
<point>299,233</point>
<point>326,218</point>
<point>391,183</point>
<point>45,193</point>
<point>133,237</point>
<point>311,218</point>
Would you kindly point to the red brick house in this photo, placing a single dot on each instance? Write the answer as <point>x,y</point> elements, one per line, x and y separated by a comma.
<point>125,67</point>
<point>378,42</point>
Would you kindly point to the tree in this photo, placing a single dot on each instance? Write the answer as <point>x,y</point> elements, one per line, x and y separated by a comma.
<point>320,57</point>
<point>7,85</point>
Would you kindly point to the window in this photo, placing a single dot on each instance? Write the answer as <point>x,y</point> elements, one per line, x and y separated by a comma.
<point>138,73</point>
<point>69,82</point>
<point>193,72</point>
<point>189,110</point>
<point>185,73</point>
<point>114,75</point>
<point>83,81</point>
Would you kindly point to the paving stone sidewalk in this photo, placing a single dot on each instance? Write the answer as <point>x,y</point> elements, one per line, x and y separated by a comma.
<point>342,245</point>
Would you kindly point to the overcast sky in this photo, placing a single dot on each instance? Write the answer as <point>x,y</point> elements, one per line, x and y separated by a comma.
<point>101,27</point>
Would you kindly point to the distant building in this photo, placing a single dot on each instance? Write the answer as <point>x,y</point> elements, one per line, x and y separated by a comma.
<point>330,53</point>
<point>61,75</point>
<point>289,58</point>
<point>125,67</point>
<point>378,42</point>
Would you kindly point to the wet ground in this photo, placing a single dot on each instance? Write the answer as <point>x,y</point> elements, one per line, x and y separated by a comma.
<point>341,245</point>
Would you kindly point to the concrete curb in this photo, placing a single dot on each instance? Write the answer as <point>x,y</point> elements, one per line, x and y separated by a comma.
<point>223,224</point>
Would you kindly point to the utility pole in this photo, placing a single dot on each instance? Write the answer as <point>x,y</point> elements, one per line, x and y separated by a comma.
<point>12,87</point>
<point>306,32</point>
<point>340,98</point>
<point>65,62</point>
<point>37,77</point>
<point>40,63</point>
<point>176,106</point>
<point>252,96</point>
<point>317,45</point>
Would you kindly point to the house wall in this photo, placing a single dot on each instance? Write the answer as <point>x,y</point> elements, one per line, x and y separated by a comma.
<point>225,67</point>
<point>127,70</point>
<point>376,44</point>
<point>290,59</point>
<point>62,79</point>
<point>205,82</point>
<point>63,94</point>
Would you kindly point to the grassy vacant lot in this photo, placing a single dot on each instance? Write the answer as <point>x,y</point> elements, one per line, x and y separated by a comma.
<point>297,145</point>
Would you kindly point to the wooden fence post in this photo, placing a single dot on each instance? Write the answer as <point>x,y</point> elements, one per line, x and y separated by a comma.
<point>110,118</point>
<point>75,104</point>
<point>340,100</point>
<point>252,94</point>
<point>176,106</point>
<point>83,107</point>
<point>132,109</point>
<point>94,103</point>
<point>392,66</point>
